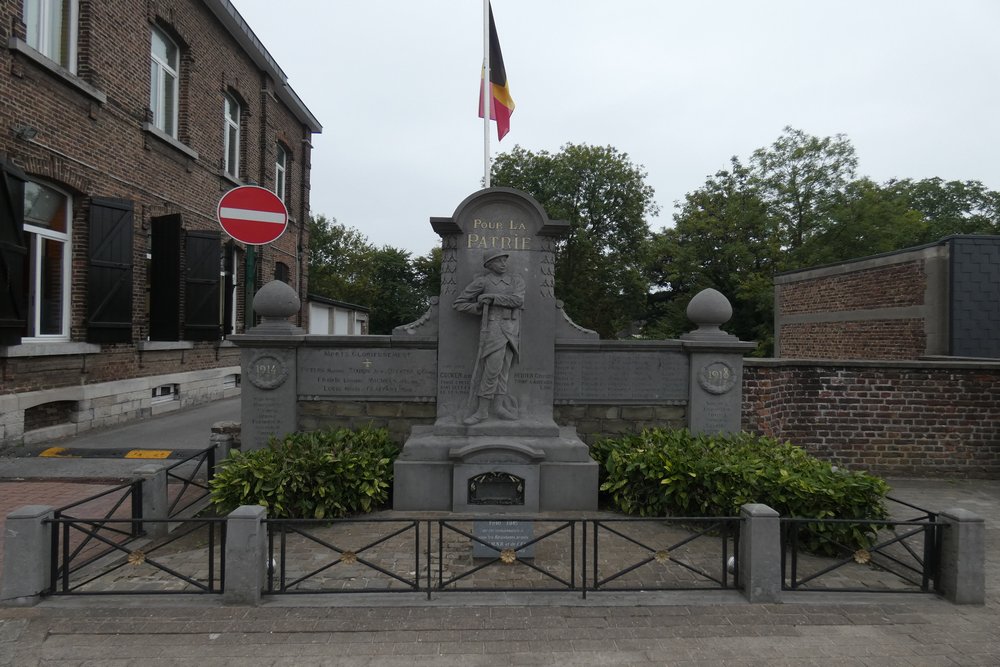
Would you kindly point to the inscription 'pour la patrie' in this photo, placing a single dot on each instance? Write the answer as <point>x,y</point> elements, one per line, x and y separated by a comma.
<point>496,240</point>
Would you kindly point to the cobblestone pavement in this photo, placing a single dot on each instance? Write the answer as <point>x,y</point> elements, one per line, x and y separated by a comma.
<point>667,628</point>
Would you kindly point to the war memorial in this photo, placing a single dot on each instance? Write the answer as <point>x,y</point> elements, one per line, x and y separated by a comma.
<point>493,356</point>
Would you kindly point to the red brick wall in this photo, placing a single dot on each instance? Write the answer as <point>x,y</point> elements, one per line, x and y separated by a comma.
<point>882,287</point>
<point>93,149</point>
<point>866,339</point>
<point>902,420</point>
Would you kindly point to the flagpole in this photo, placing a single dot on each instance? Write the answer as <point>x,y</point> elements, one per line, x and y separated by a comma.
<point>487,93</point>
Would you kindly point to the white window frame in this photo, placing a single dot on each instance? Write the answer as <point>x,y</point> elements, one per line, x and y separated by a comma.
<point>52,25</point>
<point>35,264</point>
<point>280,171</point>
<point>164,78</point>
<point>231,135</point>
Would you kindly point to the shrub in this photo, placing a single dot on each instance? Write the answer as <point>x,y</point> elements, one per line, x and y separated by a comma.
<point>676,473</point>
<point>319,474</point>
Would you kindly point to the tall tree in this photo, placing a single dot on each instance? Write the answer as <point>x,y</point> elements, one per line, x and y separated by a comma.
<point>600,269</point>
<point>723,237</point>
<point>802,178</point>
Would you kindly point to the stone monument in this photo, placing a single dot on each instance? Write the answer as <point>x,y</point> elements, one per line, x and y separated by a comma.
<point>494,445</point>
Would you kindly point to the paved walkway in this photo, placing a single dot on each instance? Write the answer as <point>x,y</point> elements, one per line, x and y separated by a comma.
<point>705,628</point>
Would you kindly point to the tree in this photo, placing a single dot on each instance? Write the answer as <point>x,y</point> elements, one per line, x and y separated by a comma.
<point>338,261</point>
<point>724,238</point>
<point>600,265</point>
<point>345,266</point>
<point>802,178</point>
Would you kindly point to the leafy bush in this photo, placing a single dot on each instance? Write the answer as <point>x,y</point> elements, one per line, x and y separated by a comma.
<point>676,473</point>
<point>319,474</point>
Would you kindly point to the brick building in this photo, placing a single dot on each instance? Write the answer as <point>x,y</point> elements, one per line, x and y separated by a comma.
<point>122,124</point>
<point>937,300</point>
<point>889,363</point>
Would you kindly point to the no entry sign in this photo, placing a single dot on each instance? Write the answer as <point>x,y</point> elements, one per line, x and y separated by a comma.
<point>252,214</point>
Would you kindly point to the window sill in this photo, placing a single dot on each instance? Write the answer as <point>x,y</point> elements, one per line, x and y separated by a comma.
<point>149,128</point>
<point>48,349</point>
<point>57,70</point>
<point>229,177</point>
<point>154,345</point>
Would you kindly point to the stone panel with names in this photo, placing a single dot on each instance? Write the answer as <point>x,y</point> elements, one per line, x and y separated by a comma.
<point>368,373</point>
<point>504,535</point>
<point>600,376</point>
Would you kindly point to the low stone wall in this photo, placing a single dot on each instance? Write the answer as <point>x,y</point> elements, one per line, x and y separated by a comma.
<point>920,418</point>
<point>592,422</point>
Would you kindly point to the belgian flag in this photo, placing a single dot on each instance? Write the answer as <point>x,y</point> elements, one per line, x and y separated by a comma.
<point>501,103</point>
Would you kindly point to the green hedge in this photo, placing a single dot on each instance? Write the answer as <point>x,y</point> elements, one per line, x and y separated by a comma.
<point>675,473</point>
<point>319,474</point>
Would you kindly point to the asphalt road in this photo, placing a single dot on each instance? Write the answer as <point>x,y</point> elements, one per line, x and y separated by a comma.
<point>98,453</point>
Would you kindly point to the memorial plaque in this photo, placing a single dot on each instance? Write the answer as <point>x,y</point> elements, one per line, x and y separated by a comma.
<point>599,376</point>
<point>503,535</point>
<point>368,373</point>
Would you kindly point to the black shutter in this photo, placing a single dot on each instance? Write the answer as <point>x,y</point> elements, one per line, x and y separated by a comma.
<point>109,275</point>
<point>13,256</point>
<point>203,257</point>
<point>231,282</point>
<point>165,279</point>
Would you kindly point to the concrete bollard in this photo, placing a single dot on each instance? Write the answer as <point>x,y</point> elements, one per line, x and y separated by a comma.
<point>27,548</point>
<point>155,498</point>
<point>246,554</point>
<point>963,555</point>
<point>760,553</point>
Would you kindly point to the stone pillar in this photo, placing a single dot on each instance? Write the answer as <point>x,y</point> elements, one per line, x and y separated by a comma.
<point>759,560</point>
<point>27,550</point>
<point>963,554</point>
<point>268,359</point>
<point>715,391</point>
<point>246,555</point>
<point>155,499</point>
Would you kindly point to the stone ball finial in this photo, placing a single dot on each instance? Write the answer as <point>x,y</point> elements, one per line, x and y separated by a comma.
<point>708,310</point>
<point>276,300</point>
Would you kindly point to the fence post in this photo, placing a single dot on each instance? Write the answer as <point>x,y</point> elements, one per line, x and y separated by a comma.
<point>155,498</point>
<point>27,555</point>
<point>759,560</point>
<point>246,554</point>
<point>225,438</point>
<point>962,576</point>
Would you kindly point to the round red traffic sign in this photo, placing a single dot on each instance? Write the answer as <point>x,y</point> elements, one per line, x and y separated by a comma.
<point>252,214</point>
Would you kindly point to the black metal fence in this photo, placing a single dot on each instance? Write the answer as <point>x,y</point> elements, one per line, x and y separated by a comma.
<point>902,557</point>
<point>112,556</point>
<point>193,493</point>
<point>489,554</point>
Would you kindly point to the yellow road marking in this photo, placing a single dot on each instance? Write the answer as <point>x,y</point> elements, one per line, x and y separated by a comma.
<point>58,452</point>
<point>148,454</point>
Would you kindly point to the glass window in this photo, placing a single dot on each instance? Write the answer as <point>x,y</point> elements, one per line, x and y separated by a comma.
<point>280,166</point>
<point>232,136</point>
<point>47,218</point>
<point>164,64</point>
<point>51,28</point>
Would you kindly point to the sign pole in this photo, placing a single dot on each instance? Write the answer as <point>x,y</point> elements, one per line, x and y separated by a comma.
<point>251,282</point>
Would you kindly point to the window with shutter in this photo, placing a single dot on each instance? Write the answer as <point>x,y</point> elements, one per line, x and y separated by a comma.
<point>13,256</point>
<point>109,277</point>
<point>165,278</point>
<point>202,288</point>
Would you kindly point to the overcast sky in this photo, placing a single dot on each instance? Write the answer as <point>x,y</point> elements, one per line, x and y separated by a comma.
<point>680,86</point>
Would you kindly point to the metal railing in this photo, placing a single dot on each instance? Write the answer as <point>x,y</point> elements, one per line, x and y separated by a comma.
<point>467,554</point>
<point>903,556</point>
<point>205,458</point>
<point>316,555</point>
<point>122,561</point>
<point>676,553</point>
